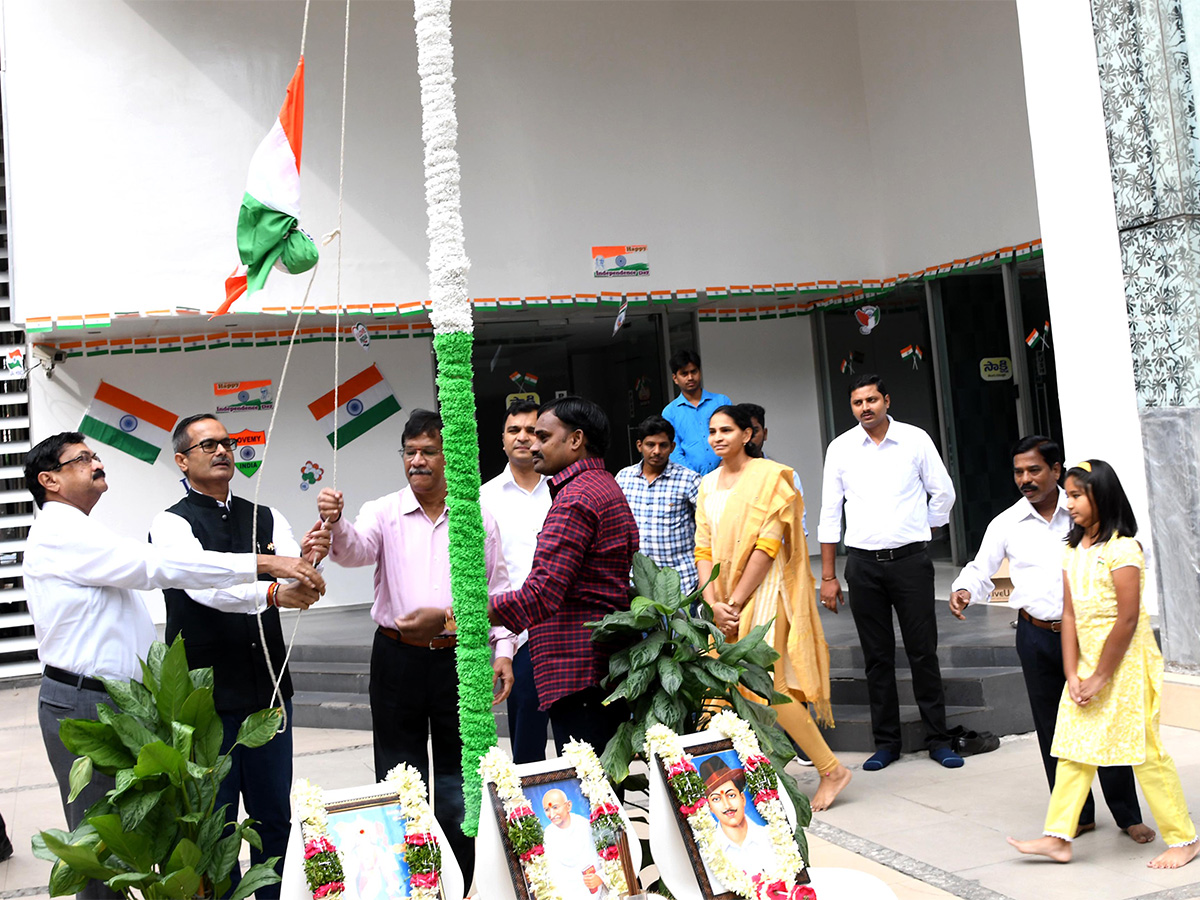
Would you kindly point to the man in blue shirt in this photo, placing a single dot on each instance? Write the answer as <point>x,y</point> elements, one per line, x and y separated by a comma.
<point>662,496</point>
<point>689,413</point>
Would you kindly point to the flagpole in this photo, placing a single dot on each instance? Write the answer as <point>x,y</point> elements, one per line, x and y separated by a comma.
<point>453,340</point>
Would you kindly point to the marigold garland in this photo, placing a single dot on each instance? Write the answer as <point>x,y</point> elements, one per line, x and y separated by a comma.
<point>688,790</point>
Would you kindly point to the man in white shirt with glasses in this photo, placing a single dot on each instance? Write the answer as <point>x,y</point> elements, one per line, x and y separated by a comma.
<point>1031,535</point>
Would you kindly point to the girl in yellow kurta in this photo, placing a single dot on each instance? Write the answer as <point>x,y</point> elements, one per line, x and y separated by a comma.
<point>1108,715</point>
<point>748,518</point>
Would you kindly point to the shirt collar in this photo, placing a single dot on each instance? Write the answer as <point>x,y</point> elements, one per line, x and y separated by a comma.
<point>558,480</point>
<point>507,478</point>
<point>409,504</point>
<point>1028,512</point>
<point>705,396</point>
<point>199,499</point>
<point>890,436</point>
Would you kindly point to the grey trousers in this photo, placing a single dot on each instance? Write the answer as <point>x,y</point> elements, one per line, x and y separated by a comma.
<point>55,703</point>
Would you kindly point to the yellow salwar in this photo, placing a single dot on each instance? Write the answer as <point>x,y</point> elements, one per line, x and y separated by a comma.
<point>1119,726</point>
<point>763,511</point>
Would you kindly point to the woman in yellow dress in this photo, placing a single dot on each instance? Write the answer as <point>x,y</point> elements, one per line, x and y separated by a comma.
<point>1109,711</point>
<point>748,518</point>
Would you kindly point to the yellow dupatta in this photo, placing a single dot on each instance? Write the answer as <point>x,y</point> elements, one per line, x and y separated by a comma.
<point>765,493</point>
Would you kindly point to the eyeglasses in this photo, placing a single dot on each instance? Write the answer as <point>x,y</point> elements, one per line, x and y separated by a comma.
<point>210,445</point>
<point>412,454</point>
<point>86,458</point>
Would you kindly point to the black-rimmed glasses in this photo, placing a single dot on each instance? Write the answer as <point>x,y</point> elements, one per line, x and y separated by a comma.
<point>86,458</point>
<point>210,445</point>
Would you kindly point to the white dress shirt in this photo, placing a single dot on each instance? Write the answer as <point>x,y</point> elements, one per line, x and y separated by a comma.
<point>173,534</point>
<point>893,491</point>
<point>1034,548</point>
<point>755,854</point>
<point>519,514</point>
<point>79,581</point>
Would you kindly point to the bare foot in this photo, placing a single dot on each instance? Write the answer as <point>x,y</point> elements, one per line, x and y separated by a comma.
<point>832,783</point>
<point>1175,857</point>
<point>1055,848</point>
<point>1141,833</point>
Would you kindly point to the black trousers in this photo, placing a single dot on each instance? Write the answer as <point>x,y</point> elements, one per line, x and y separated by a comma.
<point>906,586</point>
<point>526,723</point>
<point>414,700</point>
<point>582,716</point>
<point>1042,664</point>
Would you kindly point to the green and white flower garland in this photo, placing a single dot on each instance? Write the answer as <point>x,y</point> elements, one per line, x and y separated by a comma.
<point>606,819</point>
<point>688,790</point>
<point>422,852</point>
<point>450,315</point>
<point>525,833</point>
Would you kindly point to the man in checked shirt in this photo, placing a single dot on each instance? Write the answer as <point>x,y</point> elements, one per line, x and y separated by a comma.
<point>580,573</point>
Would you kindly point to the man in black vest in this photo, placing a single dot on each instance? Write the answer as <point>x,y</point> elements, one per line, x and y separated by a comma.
<point>221,628</point>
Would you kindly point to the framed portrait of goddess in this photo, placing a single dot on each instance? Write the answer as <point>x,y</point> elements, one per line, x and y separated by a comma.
<point>367,825</point>
<point>584,851</point>
<point>742,834</point>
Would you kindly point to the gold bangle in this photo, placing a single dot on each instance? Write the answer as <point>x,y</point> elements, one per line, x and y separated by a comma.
<point>829,578</point>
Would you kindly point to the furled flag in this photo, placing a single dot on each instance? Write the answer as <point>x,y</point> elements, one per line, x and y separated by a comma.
<point>128,423</point>
<point>362,403</point>
<point>268,230</point>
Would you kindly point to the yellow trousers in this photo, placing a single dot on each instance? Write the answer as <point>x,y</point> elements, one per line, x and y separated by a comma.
<point>1160,784</point>
<point>795,720</point>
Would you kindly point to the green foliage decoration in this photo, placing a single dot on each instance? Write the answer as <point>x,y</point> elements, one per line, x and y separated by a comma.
<point>157,834</point>
<point>677,667</point>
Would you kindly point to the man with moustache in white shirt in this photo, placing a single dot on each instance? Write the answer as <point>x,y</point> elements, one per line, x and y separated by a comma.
<point>1031,534</point>
<point>518,499</point>
<point>895,490</point>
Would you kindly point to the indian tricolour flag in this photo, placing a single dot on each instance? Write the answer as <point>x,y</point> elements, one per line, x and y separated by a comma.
<point>362,403</point>
<point>128,423</point>
<point>268,231</point>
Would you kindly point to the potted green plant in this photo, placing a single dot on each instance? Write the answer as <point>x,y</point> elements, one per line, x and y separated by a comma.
<point>678,667</point>
<point>157,834</point>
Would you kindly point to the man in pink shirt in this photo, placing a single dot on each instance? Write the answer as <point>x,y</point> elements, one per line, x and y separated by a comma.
<point>414,684</point>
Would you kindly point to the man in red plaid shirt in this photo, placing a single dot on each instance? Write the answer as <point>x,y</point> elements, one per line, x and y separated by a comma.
<point>580,573</point>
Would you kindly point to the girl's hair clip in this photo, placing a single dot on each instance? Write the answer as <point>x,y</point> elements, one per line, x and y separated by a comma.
<point>1085,465</point>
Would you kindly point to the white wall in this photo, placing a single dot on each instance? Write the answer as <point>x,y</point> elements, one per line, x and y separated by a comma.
<point>742,141</point>
<point>182,383</point>
<point>771,363</point>
<point>949,137</point>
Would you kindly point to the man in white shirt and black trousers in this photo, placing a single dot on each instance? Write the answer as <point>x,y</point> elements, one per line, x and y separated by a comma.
<point>1031,534</point>
<point>895,490</point>
<point>80,578</point>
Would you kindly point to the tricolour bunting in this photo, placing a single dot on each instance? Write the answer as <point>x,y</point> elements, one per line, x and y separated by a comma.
<point>268,229</point>
<point>131,424</point>
<point>362,403</point>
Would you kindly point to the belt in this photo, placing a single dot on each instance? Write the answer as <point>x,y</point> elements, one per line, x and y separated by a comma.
<point>888,555</point>
<point>1055,626</point>
<point>62,676</point>
<point>441,642</point>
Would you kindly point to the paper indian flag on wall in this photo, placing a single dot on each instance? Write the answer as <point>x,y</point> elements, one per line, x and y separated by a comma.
<point>131,424</point>
<point>362,403</point>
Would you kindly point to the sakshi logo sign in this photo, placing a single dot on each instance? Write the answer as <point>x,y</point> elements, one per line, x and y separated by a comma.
<point>243,396</point>
<point>620,261</point>
<point>248,455</point>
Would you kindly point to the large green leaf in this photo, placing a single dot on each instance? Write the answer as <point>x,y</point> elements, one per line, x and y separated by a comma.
<point>80,777</point>
<point>38,843</point>
<point>134,806</point>
<point>684,627</point>
<point>181,738</point>
<point>719,670</point>
<point>186,855</point>
<point>201,677</point>
<point>249,835</point>
<point>182,883</point>
<point>132,697</point>
<point>667,594</point>
<point>644,573</point>
<point>133,734</point>
<point>158,758</point>
<point>761,654</point>
<point>618,664</point>
<point>758,680</point>
<point>736,652</point>
<point>668,710</point>
<point>84,737</point>
<point>670,674</point>
<point>207,836</point>
<point>259,727</point>
<point>197,708</point>
<point>80,858</point>
<point>206,742</point>
<point>128,880</point>
<point>645,653</point>
<point>149,679</point>
<point>638,681</point>
<point>640,605</point>
<point>618,752</point>
<point>174,683</point>
<point>131,847</point>
<point>160,826</point>
<point>65,881</point>
<point>154,659</point>
<point>257,876</point>
<point>225,854</point>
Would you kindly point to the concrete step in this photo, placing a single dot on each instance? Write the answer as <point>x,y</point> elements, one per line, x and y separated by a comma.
<point>333,653</point>
<point>331,709</point>
<point>850,656</point>
<point>331,677</point>
<point>969,686</point>
<point>853,725</point>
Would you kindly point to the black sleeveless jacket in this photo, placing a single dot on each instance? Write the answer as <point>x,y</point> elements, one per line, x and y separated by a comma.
<point>229,642</point>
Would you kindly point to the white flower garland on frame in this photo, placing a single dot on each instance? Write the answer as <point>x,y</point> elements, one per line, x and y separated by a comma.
<point>777,885</point>
<point>418,832</point>
<point>603,800</point>
<point>497,768</point>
